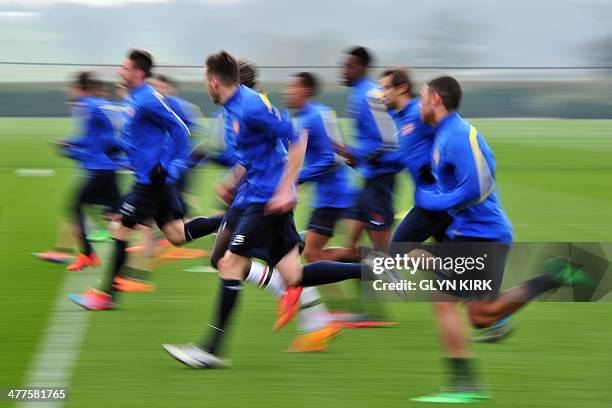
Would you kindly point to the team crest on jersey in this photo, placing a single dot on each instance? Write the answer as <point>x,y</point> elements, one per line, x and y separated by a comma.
<point>130,111</point>
<point>236,127</point>
<point>436,157</point>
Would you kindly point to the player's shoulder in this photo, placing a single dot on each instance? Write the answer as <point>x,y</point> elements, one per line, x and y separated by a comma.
<point>256,101</point>
<point>147,97</point>
<point>174,103</point>
<point>310,116</point>
<point>111,107</point>
<point>95,105</point>
<point>458,131</point>
<point>324,113</point>
<point>257,105</point>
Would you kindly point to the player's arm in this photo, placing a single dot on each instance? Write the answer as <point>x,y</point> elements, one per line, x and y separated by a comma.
<point>397,157</point>
<point>314,171</point>
<point>75,147</point>
<point>319,167</point>
<point>70,150</point>
<point>266,119</point>
<point>227,157</point>
<point>380,130</point>
<point>102,125</point>
<point>474,179</point>
<point>194,113</point>
<point>178,132</point>
<point>284,197</point>
<point>226,187</point>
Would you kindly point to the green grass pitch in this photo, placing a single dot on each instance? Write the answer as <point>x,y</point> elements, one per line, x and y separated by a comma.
<point>555,180</point>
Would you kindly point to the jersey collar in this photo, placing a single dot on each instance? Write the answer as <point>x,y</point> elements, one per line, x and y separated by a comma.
<point>234,97</point>
<point>451,117</point>
<point>139,89</point>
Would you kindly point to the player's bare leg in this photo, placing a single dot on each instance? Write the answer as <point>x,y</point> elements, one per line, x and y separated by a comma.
<point>315,250</point>
<point>380,239</point>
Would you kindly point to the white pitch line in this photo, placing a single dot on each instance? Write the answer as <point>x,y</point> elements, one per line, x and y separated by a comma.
<point>35,172</point>
<point>60,347</point>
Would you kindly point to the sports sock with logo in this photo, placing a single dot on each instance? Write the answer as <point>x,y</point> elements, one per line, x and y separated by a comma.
<point>230,290</point>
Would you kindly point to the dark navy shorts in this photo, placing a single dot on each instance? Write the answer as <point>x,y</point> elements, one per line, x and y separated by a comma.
<point>491,254</point>
<point>268,237</point>
<point>182,185</point>
<point>323,220</point>
<point>419,225</point>
<point>231,218</point>
<point>375,203</point>
<point>158,201</point>
<point>100,188</point>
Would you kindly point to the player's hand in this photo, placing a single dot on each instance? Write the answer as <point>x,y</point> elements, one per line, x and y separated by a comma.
<point>345,154</point>
<point>281,202</point>
<point>350,160</point>
<point>226,193</point>
<point>61,144</point>
<point>196,156</point>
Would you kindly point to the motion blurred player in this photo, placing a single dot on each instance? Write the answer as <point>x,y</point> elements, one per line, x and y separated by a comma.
<point>376,136</point>
<point>463,166</point>
<point>321,167</point>
<point>91,148</point>
<point>158,165</point>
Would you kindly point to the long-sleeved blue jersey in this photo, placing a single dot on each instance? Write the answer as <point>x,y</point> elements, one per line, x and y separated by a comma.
<point>415,140</point>
<point>118,116</point>
<point>150,122</point>
<point>96,134</point>
<point>189,113</point>
<point>229,158</point>
<point>261,134</point>
<point>463,166</point>
<point>376,131</point>
<point>223,134</point>
<point>321,164</point>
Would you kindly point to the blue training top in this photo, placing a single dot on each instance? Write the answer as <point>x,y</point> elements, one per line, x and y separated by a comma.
<point>463,166</point>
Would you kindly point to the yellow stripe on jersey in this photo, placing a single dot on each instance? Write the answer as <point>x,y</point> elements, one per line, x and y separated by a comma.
<point>485,178</point>
<point>266,101</point>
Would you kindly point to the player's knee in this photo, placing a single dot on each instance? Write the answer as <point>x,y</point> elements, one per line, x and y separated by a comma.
<point>312,254</point>
<point>215,257</point>
<point>175,236</point>
<point>230,267</point>
<point>294,279</point>
<point>121,232</point>
<point>175,239</point>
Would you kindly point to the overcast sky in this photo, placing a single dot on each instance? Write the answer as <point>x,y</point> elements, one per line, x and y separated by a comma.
<point>405,32</point>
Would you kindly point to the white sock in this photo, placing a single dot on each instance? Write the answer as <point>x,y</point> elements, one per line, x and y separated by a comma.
<point>313,314</point>
<point>262,276</point>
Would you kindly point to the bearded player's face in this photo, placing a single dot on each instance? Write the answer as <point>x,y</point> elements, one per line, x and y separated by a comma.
<point>212,86</point>
<point>427,109</point>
